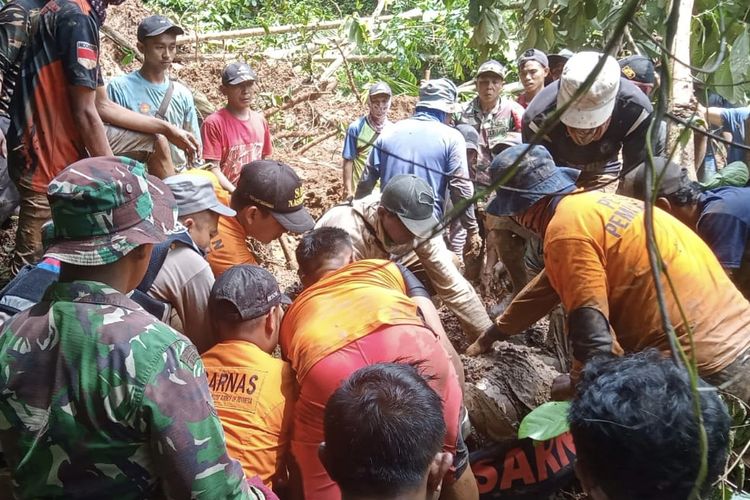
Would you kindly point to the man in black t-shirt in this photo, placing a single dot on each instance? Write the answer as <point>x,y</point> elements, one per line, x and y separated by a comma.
<point>613,115</point>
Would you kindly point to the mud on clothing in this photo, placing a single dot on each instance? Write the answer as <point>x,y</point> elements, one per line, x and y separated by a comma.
<point>234,142</point>
<point>627,131</point>
<point>595,256</point>
<point>361,221</point>
<point>254,394</point>
<point>43,138</point>
<point>431,150</point>
<point>332,329</point>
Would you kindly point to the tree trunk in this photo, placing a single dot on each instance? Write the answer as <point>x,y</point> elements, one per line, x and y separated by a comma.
<point>682,87</point>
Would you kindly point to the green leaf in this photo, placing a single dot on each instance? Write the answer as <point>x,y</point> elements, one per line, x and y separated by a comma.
<point>546,421</point>
<point>549,34</point>
<point>128,57</point>
<point>739,56</point>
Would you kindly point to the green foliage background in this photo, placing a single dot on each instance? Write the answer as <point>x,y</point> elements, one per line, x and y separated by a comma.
<point>577,24</point>
<point>454,35</point>
<point>439,40</point>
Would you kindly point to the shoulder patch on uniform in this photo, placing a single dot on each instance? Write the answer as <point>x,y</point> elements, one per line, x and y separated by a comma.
<point>190,356</point>
<point>87,54</point>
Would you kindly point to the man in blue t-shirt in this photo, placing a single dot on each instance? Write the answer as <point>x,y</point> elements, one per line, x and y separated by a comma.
<point>734,121</point>
<point>720,216</point>
<point>144,90</point>
<point>361,135</point>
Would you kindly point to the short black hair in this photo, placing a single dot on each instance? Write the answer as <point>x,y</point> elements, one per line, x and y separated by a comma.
<point>634,430</point>
<point>383,427</point>
<point>319,245</point>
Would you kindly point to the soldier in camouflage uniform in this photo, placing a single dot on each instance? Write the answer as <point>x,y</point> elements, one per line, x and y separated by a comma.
<point>118,405</point>
<point>18,21</point>
<point>495,118</point>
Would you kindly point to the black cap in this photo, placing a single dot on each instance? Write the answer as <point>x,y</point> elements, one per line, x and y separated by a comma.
<point>252,291</point>
<point>277,187</point>
<point>156,25</point>
<point>638,69</point>
<point>670,177</point>
<point>236,73</point>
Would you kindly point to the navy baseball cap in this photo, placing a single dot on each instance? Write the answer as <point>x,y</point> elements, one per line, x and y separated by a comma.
<point>236,73</point>
<point>638,68</point>
<point>536,174</point>
<point>533,55</point>
<point>155,26</point>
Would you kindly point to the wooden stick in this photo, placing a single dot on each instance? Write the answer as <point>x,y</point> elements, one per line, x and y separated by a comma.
<point>293,134</point>
<point>315,142</point>
<point>309,96</point>
<point>286,247</point>
<point>286,28</point>
<point>121,41</point>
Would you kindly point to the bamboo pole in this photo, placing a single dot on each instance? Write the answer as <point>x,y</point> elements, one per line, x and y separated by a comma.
<point>120,40</point>
<point>287,28</point>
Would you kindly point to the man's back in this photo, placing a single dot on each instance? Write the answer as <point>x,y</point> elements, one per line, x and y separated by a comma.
<point>134,92</point>
<point>184,282</point>
<point>425,147</point>
<point>344,306</point>
<point>253,393</point>
<point>117,405</point>
<point>595,255</point>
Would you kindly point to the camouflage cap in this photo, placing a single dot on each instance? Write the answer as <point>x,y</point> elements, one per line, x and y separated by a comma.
<point>102,208</point>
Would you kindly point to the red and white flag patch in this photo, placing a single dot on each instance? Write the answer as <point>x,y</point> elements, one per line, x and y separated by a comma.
<point>87,54</point>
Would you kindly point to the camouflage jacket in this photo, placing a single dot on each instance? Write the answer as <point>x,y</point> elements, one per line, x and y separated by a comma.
<point>100,400</point>
<point>18,20</point>
<point>492,128</point>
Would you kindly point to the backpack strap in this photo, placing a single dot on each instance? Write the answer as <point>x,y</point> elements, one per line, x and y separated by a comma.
<point>159,255</point>
<point>140,295</point>
<point>161,114</point>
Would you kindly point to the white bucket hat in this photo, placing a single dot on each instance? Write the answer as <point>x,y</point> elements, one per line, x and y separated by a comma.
<point>595,106</point>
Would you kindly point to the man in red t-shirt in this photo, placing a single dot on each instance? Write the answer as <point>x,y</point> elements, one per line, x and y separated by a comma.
<point>235,135</point>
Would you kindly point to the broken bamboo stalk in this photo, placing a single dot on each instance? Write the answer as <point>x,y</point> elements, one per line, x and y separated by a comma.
<point>121,41</point>
<point>296,134</point>
<point>315,142</point>
<point>286,28</point>
<point>348,50</point>
<point>308,96</point>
